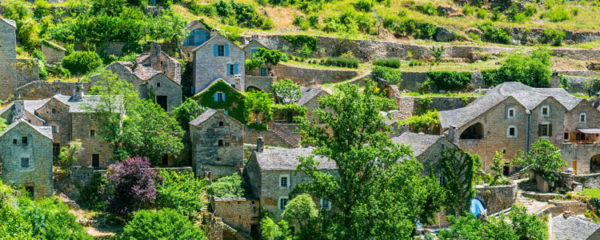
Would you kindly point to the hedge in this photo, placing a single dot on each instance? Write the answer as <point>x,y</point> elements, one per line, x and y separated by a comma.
<point>342,62</point>
<point>391,75</point>
<point>450,81</point>
<point>234,100</point>
<point>390,62</point>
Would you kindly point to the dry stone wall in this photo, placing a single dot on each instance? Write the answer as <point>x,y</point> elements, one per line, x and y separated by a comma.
<point>496,198</point>
<point>42,89</point>
<point>409,106</point>
<point>311,76</point>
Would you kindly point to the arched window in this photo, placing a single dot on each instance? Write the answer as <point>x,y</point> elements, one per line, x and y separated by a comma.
<point>474,131</point>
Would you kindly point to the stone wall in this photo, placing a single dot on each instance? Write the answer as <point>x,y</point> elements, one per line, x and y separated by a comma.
<point>86,127</point>
<point>52,52</point>
<point>8,58</point>
<point>588,180</point>
<point>581,154</point>
<point>270,137</point>
<point>409,106</point>
<point>304,76</point>
<point>208,66</point>
<point>42,89</point>
<point>261,82</point>
<point>579,54</point>
<point>27,71</point>
<point>496,198</point>
<point>239,213</point>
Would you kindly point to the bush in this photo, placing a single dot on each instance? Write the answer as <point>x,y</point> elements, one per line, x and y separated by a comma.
<point>482,13</point>
<point>390,62</point>
<point>289,112</point>
<point>494,34</point>
<point>182,192</point>
<point>533,70</point>
<point>363,5</point>
<point>426,123</point>
<point>230,186</point>
<point>429,9</point>
<point>241,14</point>
<point>299,41</point>
<point>342,62</point>
<point>468,9</point>
<point>392,76</point>
<point>161,224</point>
<point>557,14</point>
<point>82,62</point>
<point>426,30</point>
<point>554,37</point>
<point>449,81</point>
<point>91,194</point>
<point>51,219</point>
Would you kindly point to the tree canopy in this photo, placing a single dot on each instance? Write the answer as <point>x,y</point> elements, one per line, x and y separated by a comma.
<point>161,224</point>
<point>286,91</point>
<point>544,159</point>
<point>264,57</point>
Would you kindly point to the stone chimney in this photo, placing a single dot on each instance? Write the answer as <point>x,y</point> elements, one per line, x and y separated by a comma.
<point>260,144</point>
<point>18,109</point>
<point>78,92</point>
<point>214,32</point>
<point>452,135</point>
<point>155,56</point>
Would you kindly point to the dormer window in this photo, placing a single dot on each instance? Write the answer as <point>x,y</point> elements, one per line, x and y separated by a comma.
<point>582,118</point>
<point>511,113</point>
<point>545,111</point>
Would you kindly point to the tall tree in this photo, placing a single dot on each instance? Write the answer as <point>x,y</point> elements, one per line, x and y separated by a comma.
<point>259,107</point>
<point>458,171</point>
<point>264,57</point>
<point>544,159</point>
<point>301,213</point>
<point>378,190</point>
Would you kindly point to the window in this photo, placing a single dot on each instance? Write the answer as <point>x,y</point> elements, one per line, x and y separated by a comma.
<point>24,162</point>
<point>220,50</point>
<point>221,124</point>
<point>15,141</point>
<point>566,136</point>
<point>511,113</point>
<point>219,97</point>
<point>545,129</point>
<point>263,72</point>
<point>157,84</point>
<point>284,181</point>
<point>220,143</point>
<point>443,146</point>
<point>282,202</point>
<point>95,160</point>
<point>54,129</point>
<point>325,204</point>
<point>545,111</point>
<point>53,110</point>
<point>92,133</point>
<point>582,117</point>
<point>254,50</point>
<point>511,132</point>
<point>24,140</point>
<point>230,69</point>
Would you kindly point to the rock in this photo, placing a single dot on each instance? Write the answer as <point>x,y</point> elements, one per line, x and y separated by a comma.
<point>443,35</point>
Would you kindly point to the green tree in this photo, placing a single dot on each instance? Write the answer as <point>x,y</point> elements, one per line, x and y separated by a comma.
<point>68,153</point>
<point>437,52</point>
<point>81,62</point>
<point>259,107</point>
<point>264,57</point>
<point>286,91</point>
<point>544,159</point>
<point>230,186</point>
<point>497,167</point>
<point>374,193</point>
<point>592,86</point>
<point>533,70</point>
<point>301,212</point>
<point>182,192</point>
<point>161,224</point>
<point>458,170</point>
<point>269,230</point>
<point>18,228</point>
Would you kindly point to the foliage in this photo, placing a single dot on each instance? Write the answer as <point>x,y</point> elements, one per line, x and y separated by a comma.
<point>533,70</point>
<point>392,76</point>
<point>289,112</point>
<point>449,81</point>
<point>130,185</point>
<point>241,14</point>
<point>553,37</point>
<point>363,5</point>
<point>91,194</point>
<point>234,100</point>
<point>286,91</point>
<point>161,224</point>
<point>458,170</point>
<point>301,213</point>
<point>182,192</point>
<point>426,123</point>
<point>591,85</point>
<point>557,14</point>
<point>374,194</point>
<point>184,114</point>
<point>591,192</point>
<point>299,41</point>
<point>3,124</point>
<point>493,34</point>
<point>497,166</point>
<point>264,57</point>
<point>389,62</point>
<point>259,107</point>
<point>349,21</point>
<point>82,62</point>
<point>230,186</point>
<point>342,62</point>
<point>564,82</point>
<point>437,52</point>
<point>429,9</point>
<point>68,153</point>
<point>269,230</point>
<point>544,159</point>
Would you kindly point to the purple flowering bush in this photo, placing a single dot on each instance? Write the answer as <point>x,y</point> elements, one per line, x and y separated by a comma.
<point>130,185</point>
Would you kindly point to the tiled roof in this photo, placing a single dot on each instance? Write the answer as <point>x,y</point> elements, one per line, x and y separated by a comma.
<point>287,159</point>
<point>145,73</point>
<point>527,96</point>
<point>572,228</point>
<point>418,142</point>
<point>308,94</point>
<point>203,117</point>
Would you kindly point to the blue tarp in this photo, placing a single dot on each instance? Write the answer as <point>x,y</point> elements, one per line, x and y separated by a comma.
<point>476,207</point>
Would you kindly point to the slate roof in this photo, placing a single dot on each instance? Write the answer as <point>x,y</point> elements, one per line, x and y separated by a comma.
<point>528,97</point>
<point>46,131</point>
<point>572,228</point>
<point>87,103</point>
<point>418,142</point>
<point>308,94</point>
<point>207,115</point>
<point>9,22</point>
<point>287,159</point>
<point>145,73</point>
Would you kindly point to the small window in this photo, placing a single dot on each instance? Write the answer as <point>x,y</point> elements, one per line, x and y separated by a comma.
<point>24,162</point>
<point>283,201</point>
<point>566,136</point>
<point>443,146</point>
<point>24,140</point>
<point>221,124</point>
<point>221,50</point>
<point>545,111</point>
<point>220,143</point>
<point>511,132</point>
<point>54,110</point>
<point>231,69</point>
<point>545,130</point>
<point>325,204</point>
<point>54,129</point>
<point>284,181</point>
<point>582,118</point>
<point>95,160</point>
<point>92,133</point>
<point>219,97</point>
<point>157,84</point>
<point>15,141</point>
<point>511,113</point>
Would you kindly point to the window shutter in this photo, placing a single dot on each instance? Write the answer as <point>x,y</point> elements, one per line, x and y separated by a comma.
<point>215,97</point>
<point>235,69</point>
<point>226,50</point>
<point>549,129</point>
<point>228,69</point>
<point>539,130</point>
<point>215,50</point>
<point>223,97</point>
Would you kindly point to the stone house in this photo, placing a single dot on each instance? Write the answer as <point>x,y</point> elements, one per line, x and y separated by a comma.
<point>271,174</point>
<point>426,148</point>
<point>160,61</point>
<point>310,100</point>
<point>26,157</point>
<point>53,52</point>
<point>217,144</point>
<point>511,117</point>
<point>216,58</point>
<point>70,119</point>
<point>259,78</point>
<point>239,213</point>
<point>199,34</point>
<point>14,72</point>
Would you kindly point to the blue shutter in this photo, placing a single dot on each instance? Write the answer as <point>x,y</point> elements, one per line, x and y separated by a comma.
<point>226,50</point>
<point>223,97</point>
<point>263,72</point>
<point>228,69</point>
<point>235,69</point>
<point>215,97</point>
<point>254,51</point>
<point>216,49</point>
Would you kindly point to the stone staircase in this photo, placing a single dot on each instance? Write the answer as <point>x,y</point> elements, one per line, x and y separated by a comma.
<point>291,141</point>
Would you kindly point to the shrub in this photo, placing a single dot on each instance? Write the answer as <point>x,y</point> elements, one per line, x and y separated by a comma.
<point>182,192</point>
<point>289,112</point>
<point>468,9</point>
<point>230,186</point>
<point>299,41</point>
<point>554,37</point>
<point>390,62</point>
<point>392,76</point>
<point>426,30</point>
<point>82,62</point>
<point>482,13</point>
<point>363,5</point>
<point>426,123</point>
<point>241,14</point>
<point>557,14</point>
<point>450,81</point>
<point>342,62</point>
<point>494,34</point>
<point>161,224</point>
<point>533,70</point>
<point>286,91</point>
<point>91,194</point>
<point>51,219</point>
<point>130,186</point>
<point>429,9</point>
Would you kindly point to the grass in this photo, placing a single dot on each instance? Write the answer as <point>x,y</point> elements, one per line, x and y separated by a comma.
<point>591,192</point>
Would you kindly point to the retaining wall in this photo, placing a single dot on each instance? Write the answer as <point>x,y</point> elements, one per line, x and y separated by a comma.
<point>409,106</point>
<point>496,198</point>
<point>42,89</point>
<point>311,76</point>
<point>588,180</point>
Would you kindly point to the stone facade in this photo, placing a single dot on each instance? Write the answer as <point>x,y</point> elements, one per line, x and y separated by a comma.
<point>217,144</point>
<point>310,100</point>
<point>239,213</point>
<point>167,92</point>
<point>409,106</point>
<point>52,52</point>
<point>160,61</point>
<point>199,34</point>
<point>219,58</point>
<point>8,58</point>
<point>26,158</point>
<point>426,149</point>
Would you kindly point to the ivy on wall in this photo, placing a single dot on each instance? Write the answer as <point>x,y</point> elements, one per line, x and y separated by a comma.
<point>233,102</point>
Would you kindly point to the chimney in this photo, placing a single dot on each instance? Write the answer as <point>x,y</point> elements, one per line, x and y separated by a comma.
<point>155,56</point>
<point>18,109</point>
<point>78,92</point>
<point>452,135</point>
<point>260,144</point>
<point>214,32</point>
